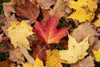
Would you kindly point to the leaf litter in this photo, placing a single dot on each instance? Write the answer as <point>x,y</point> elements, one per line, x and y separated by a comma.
<point>50,33</point>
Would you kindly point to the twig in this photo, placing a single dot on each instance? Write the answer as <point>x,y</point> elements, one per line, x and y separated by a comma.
<point>25,53</point>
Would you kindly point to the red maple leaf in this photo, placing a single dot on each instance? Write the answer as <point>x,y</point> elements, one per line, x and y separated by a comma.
<point>49,33</point>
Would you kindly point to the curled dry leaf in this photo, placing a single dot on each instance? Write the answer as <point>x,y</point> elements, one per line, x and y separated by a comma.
<point>76,51</point>
<point>16,56</point>
<point>49,33</point>
<point>87,62</point>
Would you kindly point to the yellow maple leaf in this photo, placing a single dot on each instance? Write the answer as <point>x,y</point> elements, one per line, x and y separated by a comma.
<point>85,10</point>
<point>18,33</point>
<point>97,55</point>
<point>38,63</point>
<point>97,22</point>
<point>53,58</point>
<point>76,51</point>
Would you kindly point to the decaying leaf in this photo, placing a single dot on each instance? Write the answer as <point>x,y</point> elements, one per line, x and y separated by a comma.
<point>76,51</point>
<point>53,59</point>
<point>16,56</point>
<point>2,21</point>
<point>85,10</point>
<point>18,32</point>
<point>97,22</point>
<point>45,4</point>
<point>97,54</point>
<point>49,33</point>
<point>60,6</point>
<point>1,36</point>
<point>27,11</point>
<point>39,52</point>
<point>87,62</point>
<point>84,30</point>
<point>96,45</point>
<point>8,9</point>
<point>5,64</point>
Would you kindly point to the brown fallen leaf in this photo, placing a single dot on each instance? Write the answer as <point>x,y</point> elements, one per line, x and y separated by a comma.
<point>84,30</point>
<point>5,48</point>
<point>27,11</point>
<point>39,52</point>
<point>44,16</point>
<point>8,9</point>
<point>64,43</point>
<point>16,56</point>
<point>2,21</point>
<point>87,62</point>
<point>96,45</point>
<point>1,36</point>
<point>5,64</point>
<point>33,1</point>
<point>60,6</point>
<point>45,4</point>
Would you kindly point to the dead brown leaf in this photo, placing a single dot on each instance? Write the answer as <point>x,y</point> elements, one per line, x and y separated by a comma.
<point>39,52</point>
<point>16,56</point>
<point>64,43</point>
<point>96,45</point>
<point>2,21</point>
<point>27,11</point>
<point>45,4</point>
<point>1,36</point>
<point>87,62</point>
<point>5,64</point>
<point>60,6</point>
<point>8,9</point>
<point>84,30</point>
<point>44,16</point>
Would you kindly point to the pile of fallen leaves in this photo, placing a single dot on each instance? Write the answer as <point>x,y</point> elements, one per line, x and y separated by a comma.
<point>50,33</point>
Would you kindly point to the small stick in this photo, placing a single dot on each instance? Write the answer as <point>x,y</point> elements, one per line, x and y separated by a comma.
<point>25,53</point>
